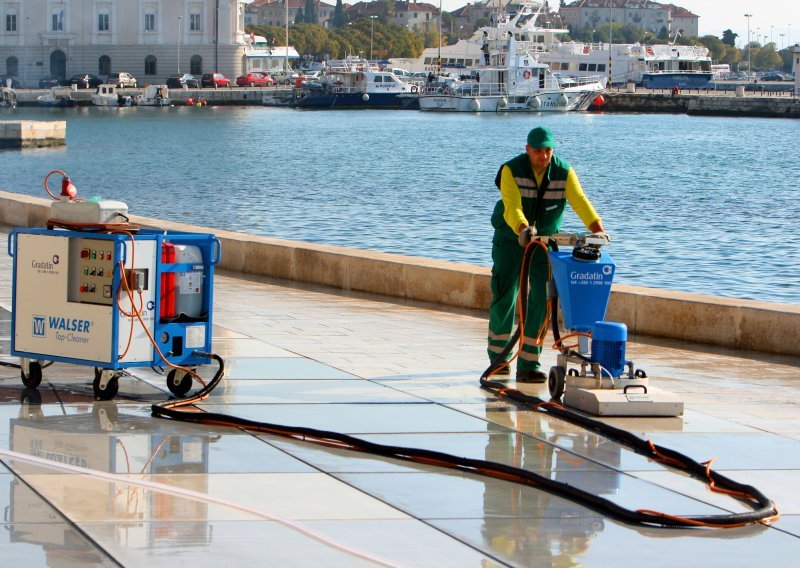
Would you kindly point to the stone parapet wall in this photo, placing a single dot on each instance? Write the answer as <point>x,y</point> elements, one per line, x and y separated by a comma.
<point>739,324</point>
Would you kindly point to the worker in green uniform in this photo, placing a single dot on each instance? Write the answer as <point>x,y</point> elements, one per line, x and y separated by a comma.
<point>534,189</point>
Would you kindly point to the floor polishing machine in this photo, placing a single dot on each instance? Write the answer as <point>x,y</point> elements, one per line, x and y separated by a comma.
<point>592,373</point>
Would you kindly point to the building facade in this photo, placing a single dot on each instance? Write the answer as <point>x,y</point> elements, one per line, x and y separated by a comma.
<point>151,39</point>
<point>273,12</point>
<point>644,14</point>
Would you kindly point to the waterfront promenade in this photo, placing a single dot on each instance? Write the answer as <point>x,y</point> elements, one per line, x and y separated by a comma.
<point>397,372</point>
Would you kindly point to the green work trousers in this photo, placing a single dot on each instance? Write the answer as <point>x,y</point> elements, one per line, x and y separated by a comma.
<point>507,258</point>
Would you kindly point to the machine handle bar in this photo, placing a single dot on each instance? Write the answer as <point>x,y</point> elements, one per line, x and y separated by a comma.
<point>10,246</point>
<point>574,239</point>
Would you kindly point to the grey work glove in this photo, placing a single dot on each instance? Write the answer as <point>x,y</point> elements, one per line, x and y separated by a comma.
<point>525,236</point>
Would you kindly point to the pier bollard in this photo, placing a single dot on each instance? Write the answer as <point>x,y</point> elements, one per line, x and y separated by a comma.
<point>740,91</point>
<point>630,87</point>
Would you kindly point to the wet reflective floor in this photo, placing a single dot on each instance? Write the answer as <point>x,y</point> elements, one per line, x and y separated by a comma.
<point>92,483</point>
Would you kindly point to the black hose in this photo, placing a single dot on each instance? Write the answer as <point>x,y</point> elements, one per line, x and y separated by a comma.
<point>763,507</point>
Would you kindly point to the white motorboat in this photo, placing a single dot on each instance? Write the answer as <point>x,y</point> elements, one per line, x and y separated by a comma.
<point>8,97</point>
<point>57,97</point>
<point>154,95</point>
<point>512,82</point>
<point>107,95</point>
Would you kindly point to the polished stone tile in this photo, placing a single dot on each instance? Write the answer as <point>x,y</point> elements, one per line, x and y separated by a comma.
<point>779,485</point>
<point>247,347</point>
<point>789,524</point>
<point>344,544</point>
<point>281,368</point>
<point>453,495</point>
<point>356,418</point>
<point>506,448</point>
<point>735,450</point>
<point>246,496</point>
<point>255,391</point>
<point>48,544</point>
<point>561,539</point>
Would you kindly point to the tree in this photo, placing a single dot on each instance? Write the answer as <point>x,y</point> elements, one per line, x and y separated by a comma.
<point>299,17</point>
<point>311,12</point>
<point>716,49</point>
<point>338,15</point>
<point>729,38</point>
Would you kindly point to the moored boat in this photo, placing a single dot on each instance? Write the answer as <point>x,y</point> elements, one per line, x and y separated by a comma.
<point>57,97</point>
<point>107,95</point>
<point>355,83</point>
<point>154,95</point>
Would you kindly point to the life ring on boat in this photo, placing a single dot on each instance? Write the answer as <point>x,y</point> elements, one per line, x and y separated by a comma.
<point>586,49</point>
<point>527,73</point>
<point>414,88</point>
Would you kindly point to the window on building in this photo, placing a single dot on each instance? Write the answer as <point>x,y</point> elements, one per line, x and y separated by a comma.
<point>11,22</point>
<point>57,22</point>
<point>150,22</point>
<point>103,23</point>
<point>194,23</point>
<point>196,65</point>
<point>150,65</point>
<point>416,14</point>
<point>104,65</point>
<point>12,66</point>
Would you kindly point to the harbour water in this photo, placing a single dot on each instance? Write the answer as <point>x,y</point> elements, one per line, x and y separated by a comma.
<point>697,204</point>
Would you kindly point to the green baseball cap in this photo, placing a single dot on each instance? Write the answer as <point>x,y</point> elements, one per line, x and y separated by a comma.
<point>541,137</point>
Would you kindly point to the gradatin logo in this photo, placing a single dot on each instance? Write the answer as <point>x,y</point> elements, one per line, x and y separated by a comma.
<point>38,326</point>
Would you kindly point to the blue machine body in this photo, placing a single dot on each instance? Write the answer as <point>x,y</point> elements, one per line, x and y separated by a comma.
<point>78,324</point>
<point>584,288</point>
<point>608,346</point>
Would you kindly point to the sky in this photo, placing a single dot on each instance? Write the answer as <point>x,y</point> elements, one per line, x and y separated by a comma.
<point>719,15</point>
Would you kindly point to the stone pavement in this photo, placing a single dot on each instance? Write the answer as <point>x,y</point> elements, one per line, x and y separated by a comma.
<point>397,373</point>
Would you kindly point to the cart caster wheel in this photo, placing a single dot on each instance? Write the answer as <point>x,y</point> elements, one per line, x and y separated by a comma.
<point>109,391</point>
<point>179,382</point>
<point>556,381</point>
<point>34,376</point>
<point>640,374</point>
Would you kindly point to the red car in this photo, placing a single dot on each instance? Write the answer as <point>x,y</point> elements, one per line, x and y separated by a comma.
<point>215,80</point>
<point>255,79</point>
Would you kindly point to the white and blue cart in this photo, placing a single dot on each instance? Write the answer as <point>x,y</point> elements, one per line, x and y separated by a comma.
<point>112,300</point>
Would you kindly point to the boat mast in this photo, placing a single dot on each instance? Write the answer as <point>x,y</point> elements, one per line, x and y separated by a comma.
<point>286,54</point>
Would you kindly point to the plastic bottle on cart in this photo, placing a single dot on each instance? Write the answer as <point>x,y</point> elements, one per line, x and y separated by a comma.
<point>182,292</point>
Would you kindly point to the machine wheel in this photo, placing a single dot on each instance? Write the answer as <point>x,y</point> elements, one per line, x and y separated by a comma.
<point>34,377</point>
<point>556,381</point>
<point>111,389</point>
<point>177,384</point>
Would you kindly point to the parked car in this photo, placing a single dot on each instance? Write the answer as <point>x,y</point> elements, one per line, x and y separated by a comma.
<point>214,80</point>
<point>50,81</point>
<point>179,81</point>
<point>773,77</point>
<point>85,81</point>
<point>121,80</point>
<point>6,79</point>
<point>255,79</point>
<point>285,77</point>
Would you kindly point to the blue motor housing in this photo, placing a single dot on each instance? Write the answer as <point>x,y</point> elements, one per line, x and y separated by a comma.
<point>584,288</point>
<point>608,346</point>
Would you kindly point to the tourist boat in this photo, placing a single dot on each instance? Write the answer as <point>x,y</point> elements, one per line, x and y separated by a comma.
<point>655,66</point>
<point>57,97</point>
<point>8,97</point>
<point>154,95</point>
<point>512,81</point>
<point>107,95</point>
<point>355,83</point>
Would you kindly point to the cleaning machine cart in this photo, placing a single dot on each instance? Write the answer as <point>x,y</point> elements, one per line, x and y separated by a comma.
<point>112,299</point>
<point>591,372</point>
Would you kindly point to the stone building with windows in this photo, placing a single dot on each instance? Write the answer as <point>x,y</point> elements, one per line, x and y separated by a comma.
<point>151,39</point>
<point>273,12</point>
<point>644,14</point>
